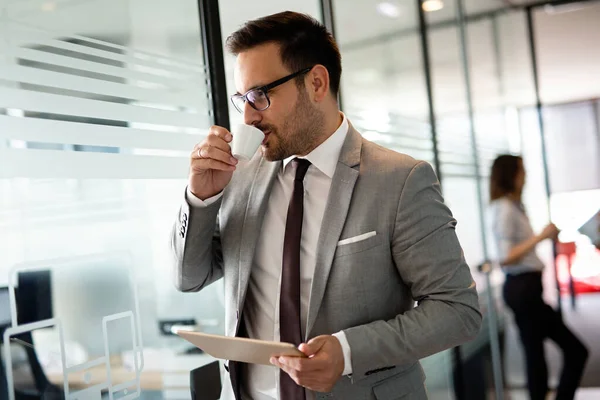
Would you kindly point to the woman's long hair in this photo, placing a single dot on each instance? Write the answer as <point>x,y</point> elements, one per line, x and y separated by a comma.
<point>504,173</point>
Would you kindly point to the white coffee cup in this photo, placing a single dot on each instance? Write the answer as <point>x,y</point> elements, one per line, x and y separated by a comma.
<point>246,140</point>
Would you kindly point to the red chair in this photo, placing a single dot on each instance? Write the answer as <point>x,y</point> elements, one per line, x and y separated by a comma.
<point>588,282</point>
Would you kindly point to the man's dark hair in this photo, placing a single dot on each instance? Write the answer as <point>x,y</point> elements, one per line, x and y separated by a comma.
<point>303,40</point>
<point>504,172</point>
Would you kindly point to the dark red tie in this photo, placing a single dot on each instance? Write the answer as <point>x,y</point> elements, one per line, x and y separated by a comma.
<point>289,302</point>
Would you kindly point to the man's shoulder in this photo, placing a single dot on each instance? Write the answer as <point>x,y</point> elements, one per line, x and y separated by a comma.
<point>385,159</point>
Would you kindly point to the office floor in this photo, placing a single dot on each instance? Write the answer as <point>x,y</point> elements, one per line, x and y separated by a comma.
<point>582,394</point>
<point>585,321</point>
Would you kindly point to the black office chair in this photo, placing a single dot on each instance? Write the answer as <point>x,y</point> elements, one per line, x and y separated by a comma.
<point>42,388</point>
<point>205,382</point>
<point>34,303</point>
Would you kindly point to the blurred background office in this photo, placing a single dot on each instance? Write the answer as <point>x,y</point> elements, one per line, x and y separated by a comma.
<point>101,102</point>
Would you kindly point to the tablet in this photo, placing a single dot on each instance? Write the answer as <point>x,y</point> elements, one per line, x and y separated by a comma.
<point>240,349</point>
<point>592,229</point>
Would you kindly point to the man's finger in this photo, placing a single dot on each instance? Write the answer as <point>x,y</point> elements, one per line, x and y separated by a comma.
<point>313,346</point>
<point>215,154</point>
<point>221,132</point>
<point>219,142</point>
<point>288,370</point>
<point>209,163</point>
<point>213,141</point>
<point>217,137</point>
<point>302,364</point>
<point>309,379</point>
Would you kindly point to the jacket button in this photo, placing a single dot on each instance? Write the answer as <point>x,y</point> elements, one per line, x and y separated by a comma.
<point>181,234</point>
<point>184,216</point>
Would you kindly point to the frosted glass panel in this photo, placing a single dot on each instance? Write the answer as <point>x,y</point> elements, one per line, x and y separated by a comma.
<point>79,337</point>
<point>104,231</point>
<point>101,103</point>
<point>568,52</point>
<point>383,83</point>
<point>573,146</point>
<point>130,83</point>
<point>461,196</point>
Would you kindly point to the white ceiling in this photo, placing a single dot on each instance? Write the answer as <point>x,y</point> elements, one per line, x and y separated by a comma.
<point>357,20</point>
<point>568,46</point>
<point>390,74</point>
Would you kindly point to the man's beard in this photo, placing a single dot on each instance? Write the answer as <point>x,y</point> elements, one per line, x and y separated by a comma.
<point>302,130</point>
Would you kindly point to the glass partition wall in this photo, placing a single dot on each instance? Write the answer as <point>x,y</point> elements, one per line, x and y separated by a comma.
<point>100,105</point>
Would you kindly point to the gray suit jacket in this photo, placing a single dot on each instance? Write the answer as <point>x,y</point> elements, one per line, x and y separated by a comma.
<point>367,288</point>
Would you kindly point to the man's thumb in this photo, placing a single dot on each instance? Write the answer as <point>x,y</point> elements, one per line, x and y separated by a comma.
<point>313,346</point>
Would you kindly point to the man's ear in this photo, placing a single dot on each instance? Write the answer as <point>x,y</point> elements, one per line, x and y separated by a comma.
<point>317,82</point>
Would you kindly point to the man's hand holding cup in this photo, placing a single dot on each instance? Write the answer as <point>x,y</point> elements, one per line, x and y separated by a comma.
<point>213,161</point>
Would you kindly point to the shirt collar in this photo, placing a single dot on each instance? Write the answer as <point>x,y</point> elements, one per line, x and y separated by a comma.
<point>325,156</point>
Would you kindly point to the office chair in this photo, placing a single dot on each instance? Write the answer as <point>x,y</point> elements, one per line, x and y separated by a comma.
<point>34,303</point>
<point>43,390</point>
<point>205,382</point>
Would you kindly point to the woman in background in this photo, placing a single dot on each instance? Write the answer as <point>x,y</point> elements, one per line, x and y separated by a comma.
<point>536,320</point>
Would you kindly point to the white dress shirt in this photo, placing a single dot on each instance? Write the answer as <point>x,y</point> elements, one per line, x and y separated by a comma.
<point>261,307</point>
<point>511,226</point>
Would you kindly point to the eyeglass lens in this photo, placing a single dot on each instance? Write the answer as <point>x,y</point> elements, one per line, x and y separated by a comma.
<point>257,99</point>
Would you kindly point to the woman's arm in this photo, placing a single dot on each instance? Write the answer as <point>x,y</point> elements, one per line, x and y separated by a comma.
<point>520,250</point>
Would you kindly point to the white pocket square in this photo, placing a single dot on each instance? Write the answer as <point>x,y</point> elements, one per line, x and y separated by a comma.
<point>358,238</point>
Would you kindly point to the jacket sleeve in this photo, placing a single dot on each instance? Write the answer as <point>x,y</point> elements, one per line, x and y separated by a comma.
<point>430,261</point>
<point>196,247</point>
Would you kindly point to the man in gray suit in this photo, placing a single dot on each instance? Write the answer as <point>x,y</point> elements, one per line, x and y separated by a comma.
<point>323,239</point>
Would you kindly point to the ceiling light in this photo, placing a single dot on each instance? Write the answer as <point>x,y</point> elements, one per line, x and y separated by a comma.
<point>49,6</point>
<point>432,5</point>
<point>388,9</point>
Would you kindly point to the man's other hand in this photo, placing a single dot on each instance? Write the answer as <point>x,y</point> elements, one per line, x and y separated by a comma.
<point>322,367</point>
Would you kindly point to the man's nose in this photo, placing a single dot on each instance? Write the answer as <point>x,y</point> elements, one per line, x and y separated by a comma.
<point>251,116</point>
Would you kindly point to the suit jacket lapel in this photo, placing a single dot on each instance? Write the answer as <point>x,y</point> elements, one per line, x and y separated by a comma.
<point>338,203</point>
<point>254,214</point>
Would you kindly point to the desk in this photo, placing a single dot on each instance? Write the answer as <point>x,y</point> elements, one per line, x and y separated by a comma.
<point>163,371</point>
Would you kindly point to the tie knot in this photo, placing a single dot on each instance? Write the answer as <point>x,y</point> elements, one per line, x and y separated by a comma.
<point>302,165</point>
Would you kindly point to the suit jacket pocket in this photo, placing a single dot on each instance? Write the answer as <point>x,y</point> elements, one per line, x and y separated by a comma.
<point>357,247</point>
<point>400,386</point>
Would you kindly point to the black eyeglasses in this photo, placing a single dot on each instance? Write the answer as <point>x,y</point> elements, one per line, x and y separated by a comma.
<point>258,98</point>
